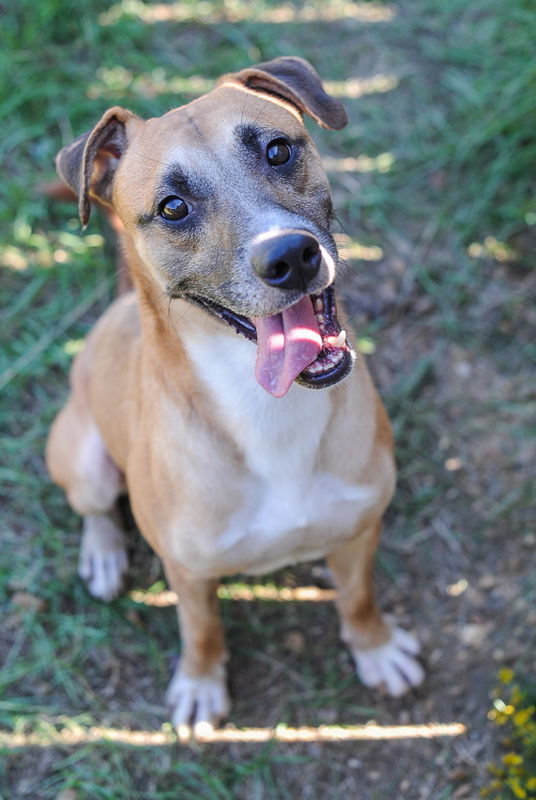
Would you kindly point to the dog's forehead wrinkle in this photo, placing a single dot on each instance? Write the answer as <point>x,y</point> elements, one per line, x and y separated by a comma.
<point>197,128</point>
<point>242,110</point>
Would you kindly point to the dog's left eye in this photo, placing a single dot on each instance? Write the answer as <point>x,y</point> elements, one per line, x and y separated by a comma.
<point>278,152</point>
<point>173,208</point>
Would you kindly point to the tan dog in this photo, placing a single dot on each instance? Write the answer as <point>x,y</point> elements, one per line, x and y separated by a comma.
<point>233,463</point>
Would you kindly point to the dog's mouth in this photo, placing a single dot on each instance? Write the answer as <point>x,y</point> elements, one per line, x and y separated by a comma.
<point>303,343</point>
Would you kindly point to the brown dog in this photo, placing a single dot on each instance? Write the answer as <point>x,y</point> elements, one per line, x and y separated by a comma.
<point>232,462</point>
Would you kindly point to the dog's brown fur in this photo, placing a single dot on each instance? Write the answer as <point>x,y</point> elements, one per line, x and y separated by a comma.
<point>146,414</point>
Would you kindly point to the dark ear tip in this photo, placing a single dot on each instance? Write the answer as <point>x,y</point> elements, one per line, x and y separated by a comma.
<point>334,116</point>
<point>84,211</point>
<point>338,117</point>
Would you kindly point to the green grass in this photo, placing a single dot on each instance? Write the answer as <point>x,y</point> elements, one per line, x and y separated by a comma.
<point>451,207</point>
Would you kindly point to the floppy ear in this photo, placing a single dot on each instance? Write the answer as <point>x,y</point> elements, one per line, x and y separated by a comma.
<point>88,164</point>
<point>294,80</point>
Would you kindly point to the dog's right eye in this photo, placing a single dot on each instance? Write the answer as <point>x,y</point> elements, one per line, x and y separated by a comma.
<point>278,152</point>
<point>173,208</point>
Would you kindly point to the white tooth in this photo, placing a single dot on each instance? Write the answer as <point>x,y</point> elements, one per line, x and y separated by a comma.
<point>337,341</point>
<point>319,305</point>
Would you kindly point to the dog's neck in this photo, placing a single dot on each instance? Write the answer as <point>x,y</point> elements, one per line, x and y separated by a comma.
<point>262,426</point>
<point>212,357</point>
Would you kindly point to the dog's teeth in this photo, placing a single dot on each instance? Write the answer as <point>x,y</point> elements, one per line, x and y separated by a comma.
<point>337,341</point>
<point>319,305</point>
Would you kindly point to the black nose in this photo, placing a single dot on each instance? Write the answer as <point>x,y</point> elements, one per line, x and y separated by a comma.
<point>287,260</point>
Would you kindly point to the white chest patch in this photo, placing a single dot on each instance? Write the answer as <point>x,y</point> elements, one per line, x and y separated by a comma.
<point>291,509</point>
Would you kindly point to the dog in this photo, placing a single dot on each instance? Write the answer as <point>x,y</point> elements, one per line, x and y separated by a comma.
<point>222,393</point>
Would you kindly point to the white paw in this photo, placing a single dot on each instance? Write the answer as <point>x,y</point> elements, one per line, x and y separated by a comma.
<point>103,559</point>
<point>393,665</point>
<point>198,702</point>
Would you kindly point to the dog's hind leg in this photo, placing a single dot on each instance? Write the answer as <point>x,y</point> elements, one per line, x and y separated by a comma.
<point>78,461</point>
<point>384,654</point>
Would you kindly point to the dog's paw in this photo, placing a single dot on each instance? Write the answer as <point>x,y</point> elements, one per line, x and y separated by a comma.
<point>198,702</point>
<point>393,665</point>
<point>103,559</point>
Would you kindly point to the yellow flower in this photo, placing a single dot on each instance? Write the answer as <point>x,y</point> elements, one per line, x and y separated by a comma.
<point>517,789</point>
<point>512,759</point>
<point>531,784</point>
<point>523,716</point>
<point>502,707</point>
<point>516,696</point>
<point>506,675</point>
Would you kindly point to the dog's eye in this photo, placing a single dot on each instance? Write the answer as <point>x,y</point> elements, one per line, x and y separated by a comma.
<point>173,208</point>
<point>278,152</point>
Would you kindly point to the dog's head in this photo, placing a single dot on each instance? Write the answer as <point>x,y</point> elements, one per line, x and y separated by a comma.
<point>229,207</point>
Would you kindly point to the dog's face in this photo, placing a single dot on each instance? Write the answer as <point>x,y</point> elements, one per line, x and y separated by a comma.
<point>229,207</point>
<point>219,177</point>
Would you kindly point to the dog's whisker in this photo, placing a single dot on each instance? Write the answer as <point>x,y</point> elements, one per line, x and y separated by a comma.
<point>154,160</point>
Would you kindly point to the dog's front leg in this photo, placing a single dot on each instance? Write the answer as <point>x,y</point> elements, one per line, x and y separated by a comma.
<point>198,691</point>
<point>383,653</point>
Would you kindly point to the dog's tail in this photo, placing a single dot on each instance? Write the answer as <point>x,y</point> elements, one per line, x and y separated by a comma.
<point>58,190</point>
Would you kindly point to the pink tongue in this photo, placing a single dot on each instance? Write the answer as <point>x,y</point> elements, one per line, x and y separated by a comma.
<point>286,344</point>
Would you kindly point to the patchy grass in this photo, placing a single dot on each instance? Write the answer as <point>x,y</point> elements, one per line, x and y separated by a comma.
<point>432,181</point>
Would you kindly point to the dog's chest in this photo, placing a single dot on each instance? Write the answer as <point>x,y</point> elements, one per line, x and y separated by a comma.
<point>280,523</point>
<point>289,506</point>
